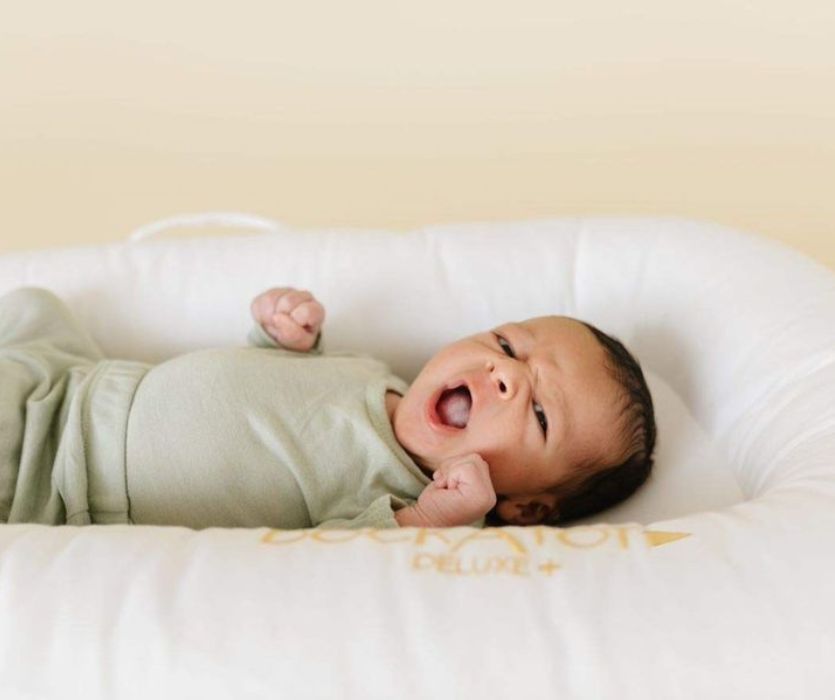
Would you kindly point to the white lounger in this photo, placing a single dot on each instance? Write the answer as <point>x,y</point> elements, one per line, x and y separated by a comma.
<point>716,580</point>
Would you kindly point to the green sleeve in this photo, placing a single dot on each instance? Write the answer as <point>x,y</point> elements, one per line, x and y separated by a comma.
<point>261,339</point>
<point>379,514</point>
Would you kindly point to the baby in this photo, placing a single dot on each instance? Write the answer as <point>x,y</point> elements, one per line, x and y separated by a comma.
<point>539,421</point>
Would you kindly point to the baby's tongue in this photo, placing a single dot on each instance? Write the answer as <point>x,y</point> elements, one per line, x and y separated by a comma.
<point>454,407</point>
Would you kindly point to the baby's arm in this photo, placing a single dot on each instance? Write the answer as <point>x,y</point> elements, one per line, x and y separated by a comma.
<point>460,493</point>
<point>291,317</point>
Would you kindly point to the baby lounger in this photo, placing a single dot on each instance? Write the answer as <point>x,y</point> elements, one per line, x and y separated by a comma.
<point>716,580</point>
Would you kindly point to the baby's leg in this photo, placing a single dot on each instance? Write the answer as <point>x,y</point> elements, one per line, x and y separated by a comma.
<point>44,354</point>
<point>34,315</point>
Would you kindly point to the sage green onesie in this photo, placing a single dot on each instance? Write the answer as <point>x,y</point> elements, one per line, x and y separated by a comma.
<point>228,437</point>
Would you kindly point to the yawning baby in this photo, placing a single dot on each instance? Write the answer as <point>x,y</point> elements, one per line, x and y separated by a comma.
<point>537,421</point>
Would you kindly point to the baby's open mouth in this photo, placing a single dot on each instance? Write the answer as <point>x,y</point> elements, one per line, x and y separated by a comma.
<point>453,408</point>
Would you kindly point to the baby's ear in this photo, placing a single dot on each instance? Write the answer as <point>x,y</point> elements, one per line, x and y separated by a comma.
<point>526,510</point>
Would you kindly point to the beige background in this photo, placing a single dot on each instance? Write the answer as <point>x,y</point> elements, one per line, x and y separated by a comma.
<point>397,114</point>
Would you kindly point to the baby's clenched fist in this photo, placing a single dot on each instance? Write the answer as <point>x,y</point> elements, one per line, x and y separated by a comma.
<point>460,493</point>
<point>291,317</point>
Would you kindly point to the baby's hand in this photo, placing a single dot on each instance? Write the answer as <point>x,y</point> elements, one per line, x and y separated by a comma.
<point>460,493</point>
<point>290,316</point>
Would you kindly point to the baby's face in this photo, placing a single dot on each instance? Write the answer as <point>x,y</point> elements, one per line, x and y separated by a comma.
<point>540,402</point>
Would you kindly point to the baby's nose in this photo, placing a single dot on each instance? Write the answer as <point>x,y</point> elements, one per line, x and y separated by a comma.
<point>503,380</point>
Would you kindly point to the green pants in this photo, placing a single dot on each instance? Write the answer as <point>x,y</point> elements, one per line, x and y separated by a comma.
<point>63,416</point>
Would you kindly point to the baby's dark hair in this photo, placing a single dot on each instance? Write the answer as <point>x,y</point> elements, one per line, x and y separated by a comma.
<point>611,485</point>
<point>583,494</point>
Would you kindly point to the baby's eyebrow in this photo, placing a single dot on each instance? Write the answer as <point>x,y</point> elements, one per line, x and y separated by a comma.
<point>527,331</point>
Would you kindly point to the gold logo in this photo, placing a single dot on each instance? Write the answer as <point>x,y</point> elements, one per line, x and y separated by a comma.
<point>506,551</point>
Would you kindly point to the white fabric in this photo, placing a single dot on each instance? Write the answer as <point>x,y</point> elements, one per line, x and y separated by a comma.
<point>737,336</point>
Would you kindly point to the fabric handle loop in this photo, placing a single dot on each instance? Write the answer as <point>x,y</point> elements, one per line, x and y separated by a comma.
<point>222,218</point>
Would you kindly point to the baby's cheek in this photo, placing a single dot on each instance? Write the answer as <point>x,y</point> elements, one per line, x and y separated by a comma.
<point>501,464</point>
<point>494,439</point>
